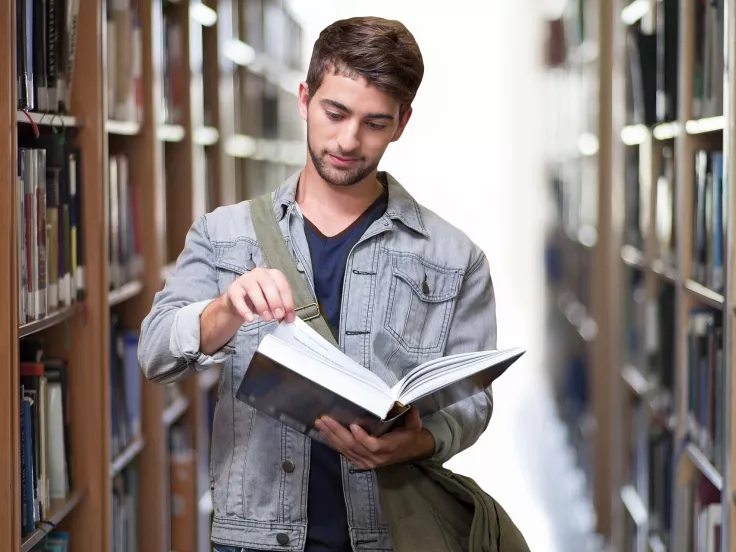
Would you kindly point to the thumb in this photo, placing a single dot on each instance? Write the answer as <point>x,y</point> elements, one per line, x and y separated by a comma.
<point>412,420</point>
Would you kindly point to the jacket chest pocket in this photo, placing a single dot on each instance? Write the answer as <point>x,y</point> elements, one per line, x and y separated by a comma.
<point>421,302</point>
<point>234,260</point>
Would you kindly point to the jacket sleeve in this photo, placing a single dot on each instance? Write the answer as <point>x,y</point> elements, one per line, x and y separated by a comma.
<point>169,343</point>
<point>473,328</point>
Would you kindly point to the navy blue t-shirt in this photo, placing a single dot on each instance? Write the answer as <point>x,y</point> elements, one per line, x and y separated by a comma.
<point>327,527</point>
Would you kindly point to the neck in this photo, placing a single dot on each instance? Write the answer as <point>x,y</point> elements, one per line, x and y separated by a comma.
<point>321,200</point>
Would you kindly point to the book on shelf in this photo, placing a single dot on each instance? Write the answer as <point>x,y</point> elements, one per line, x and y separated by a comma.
<point>709,221</point>
<point>708,59</point>
<point>46,41</point>
<point>124,61</point>
<point>125,387</point>
<point>296,376</point>
<point>49,241</point>
<point>45,447</point>
<point>125,255</point>
<point>705,383</point>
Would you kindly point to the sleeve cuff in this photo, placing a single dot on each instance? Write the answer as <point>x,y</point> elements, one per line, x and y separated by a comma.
<point>437,425</point>
<point>185,338</point>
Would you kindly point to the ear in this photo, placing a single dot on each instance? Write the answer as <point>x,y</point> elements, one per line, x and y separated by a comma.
<point>402,125</point>
<point>303,100</point>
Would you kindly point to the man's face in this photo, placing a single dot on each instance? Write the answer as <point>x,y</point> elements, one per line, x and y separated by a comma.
<point>349,126</point>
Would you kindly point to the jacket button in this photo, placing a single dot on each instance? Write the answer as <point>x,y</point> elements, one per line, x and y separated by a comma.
<point>282,539</point>
<point>288,466</point>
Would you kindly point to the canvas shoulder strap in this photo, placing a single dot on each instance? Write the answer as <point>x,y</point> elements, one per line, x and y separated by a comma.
<point>278,257</point>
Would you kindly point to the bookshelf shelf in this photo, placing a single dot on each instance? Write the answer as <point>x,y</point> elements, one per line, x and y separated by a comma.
<point>48,119</point>
<point>636,381</point>
<point>52,319</point>
<point>707,125</point>
<point>123,128</point>
<point>171,133</point>
<point>125,292</point>
<point>129,454</point>
<point>59,510</point>
<point>656,544</point>
<point>206,136</point>
<point>702,293</point>
<point>666,272</point>
<point>701,462</point>
<point>667,131</point>
<point>175,411</point>
<point>633,257</point>
<point>634,505</point>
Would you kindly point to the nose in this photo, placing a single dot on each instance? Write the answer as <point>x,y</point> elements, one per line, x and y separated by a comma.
<point>348,141</point>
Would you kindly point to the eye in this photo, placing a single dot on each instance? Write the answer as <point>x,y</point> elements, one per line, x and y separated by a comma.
<point>334,116</point>
<point>375,126</point>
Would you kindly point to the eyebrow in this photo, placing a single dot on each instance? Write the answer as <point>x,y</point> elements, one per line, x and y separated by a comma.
<point>344,108</point>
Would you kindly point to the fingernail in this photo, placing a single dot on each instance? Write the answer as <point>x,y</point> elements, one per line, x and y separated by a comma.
<point>278,313</point>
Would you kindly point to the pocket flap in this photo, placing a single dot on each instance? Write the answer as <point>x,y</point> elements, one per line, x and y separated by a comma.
<point>240,257</point>
<point>431,283</point>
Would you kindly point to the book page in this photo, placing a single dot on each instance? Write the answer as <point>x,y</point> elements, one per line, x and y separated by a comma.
<point>274,352</point>
<point>305,339</point>
<point>491,363</point>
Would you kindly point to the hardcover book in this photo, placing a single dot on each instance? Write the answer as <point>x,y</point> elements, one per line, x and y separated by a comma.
<point>296,376</point>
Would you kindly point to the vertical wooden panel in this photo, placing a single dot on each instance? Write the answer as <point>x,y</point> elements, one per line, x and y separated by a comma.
<point>9,468</point>
<point>87,339</point>
<point>605,266</point>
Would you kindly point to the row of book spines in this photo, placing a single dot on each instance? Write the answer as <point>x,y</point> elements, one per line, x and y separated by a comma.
<point>705,384</point>
<point>50,250</point>
<point>709,220</point>
<point>703,517</point>
<point>653,64</point>
<point>45,453</point>
<point>125,387</point>
<point>125,256</point>
<point>124,61</point>
<point>124,511</point>
<point>46,39</point>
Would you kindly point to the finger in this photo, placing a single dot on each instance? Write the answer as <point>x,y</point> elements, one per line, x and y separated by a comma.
<point>272,295</point>
<point>287,299</point>
<point>236,295</point>
<point>346,440</point>
<point>369,443</point>
<point>255,294</point>
<point>337,444</point>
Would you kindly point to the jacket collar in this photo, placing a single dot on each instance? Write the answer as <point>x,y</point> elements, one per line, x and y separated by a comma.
<point>401,205</point>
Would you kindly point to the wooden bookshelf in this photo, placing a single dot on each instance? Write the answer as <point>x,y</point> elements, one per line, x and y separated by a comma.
<point>673,290</point>
<point>173,159</point>
<point>657,285</point>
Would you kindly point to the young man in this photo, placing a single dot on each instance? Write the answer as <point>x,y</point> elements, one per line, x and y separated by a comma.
<point>397,284</point>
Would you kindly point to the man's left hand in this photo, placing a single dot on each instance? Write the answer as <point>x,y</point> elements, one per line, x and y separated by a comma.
<point>408,442</point>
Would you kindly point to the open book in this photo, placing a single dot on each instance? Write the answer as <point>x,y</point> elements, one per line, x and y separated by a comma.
<point>296,376</point>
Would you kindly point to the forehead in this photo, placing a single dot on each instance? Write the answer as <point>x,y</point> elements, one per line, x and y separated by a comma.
<point>357,94</point>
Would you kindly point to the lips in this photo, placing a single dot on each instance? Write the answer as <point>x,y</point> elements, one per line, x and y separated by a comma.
<point>342,161</point>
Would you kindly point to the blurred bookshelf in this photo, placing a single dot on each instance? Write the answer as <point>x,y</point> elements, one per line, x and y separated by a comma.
<point>664,239</point>
<point>124,134</point>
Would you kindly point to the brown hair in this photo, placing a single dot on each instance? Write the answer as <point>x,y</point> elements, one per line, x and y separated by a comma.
<point>382,51</point>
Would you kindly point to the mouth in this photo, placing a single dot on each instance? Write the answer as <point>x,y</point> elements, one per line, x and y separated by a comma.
<point>342,161</point>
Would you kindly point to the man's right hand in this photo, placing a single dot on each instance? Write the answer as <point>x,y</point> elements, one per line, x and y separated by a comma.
<point>264,292</point>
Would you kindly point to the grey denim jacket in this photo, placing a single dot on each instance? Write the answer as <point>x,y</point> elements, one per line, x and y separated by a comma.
<point>415,288</point>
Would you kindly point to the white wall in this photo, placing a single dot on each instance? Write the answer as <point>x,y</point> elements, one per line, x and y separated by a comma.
<point>472,153</point>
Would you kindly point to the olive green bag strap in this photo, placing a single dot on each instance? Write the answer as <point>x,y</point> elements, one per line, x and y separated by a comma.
<point>277,256</point>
